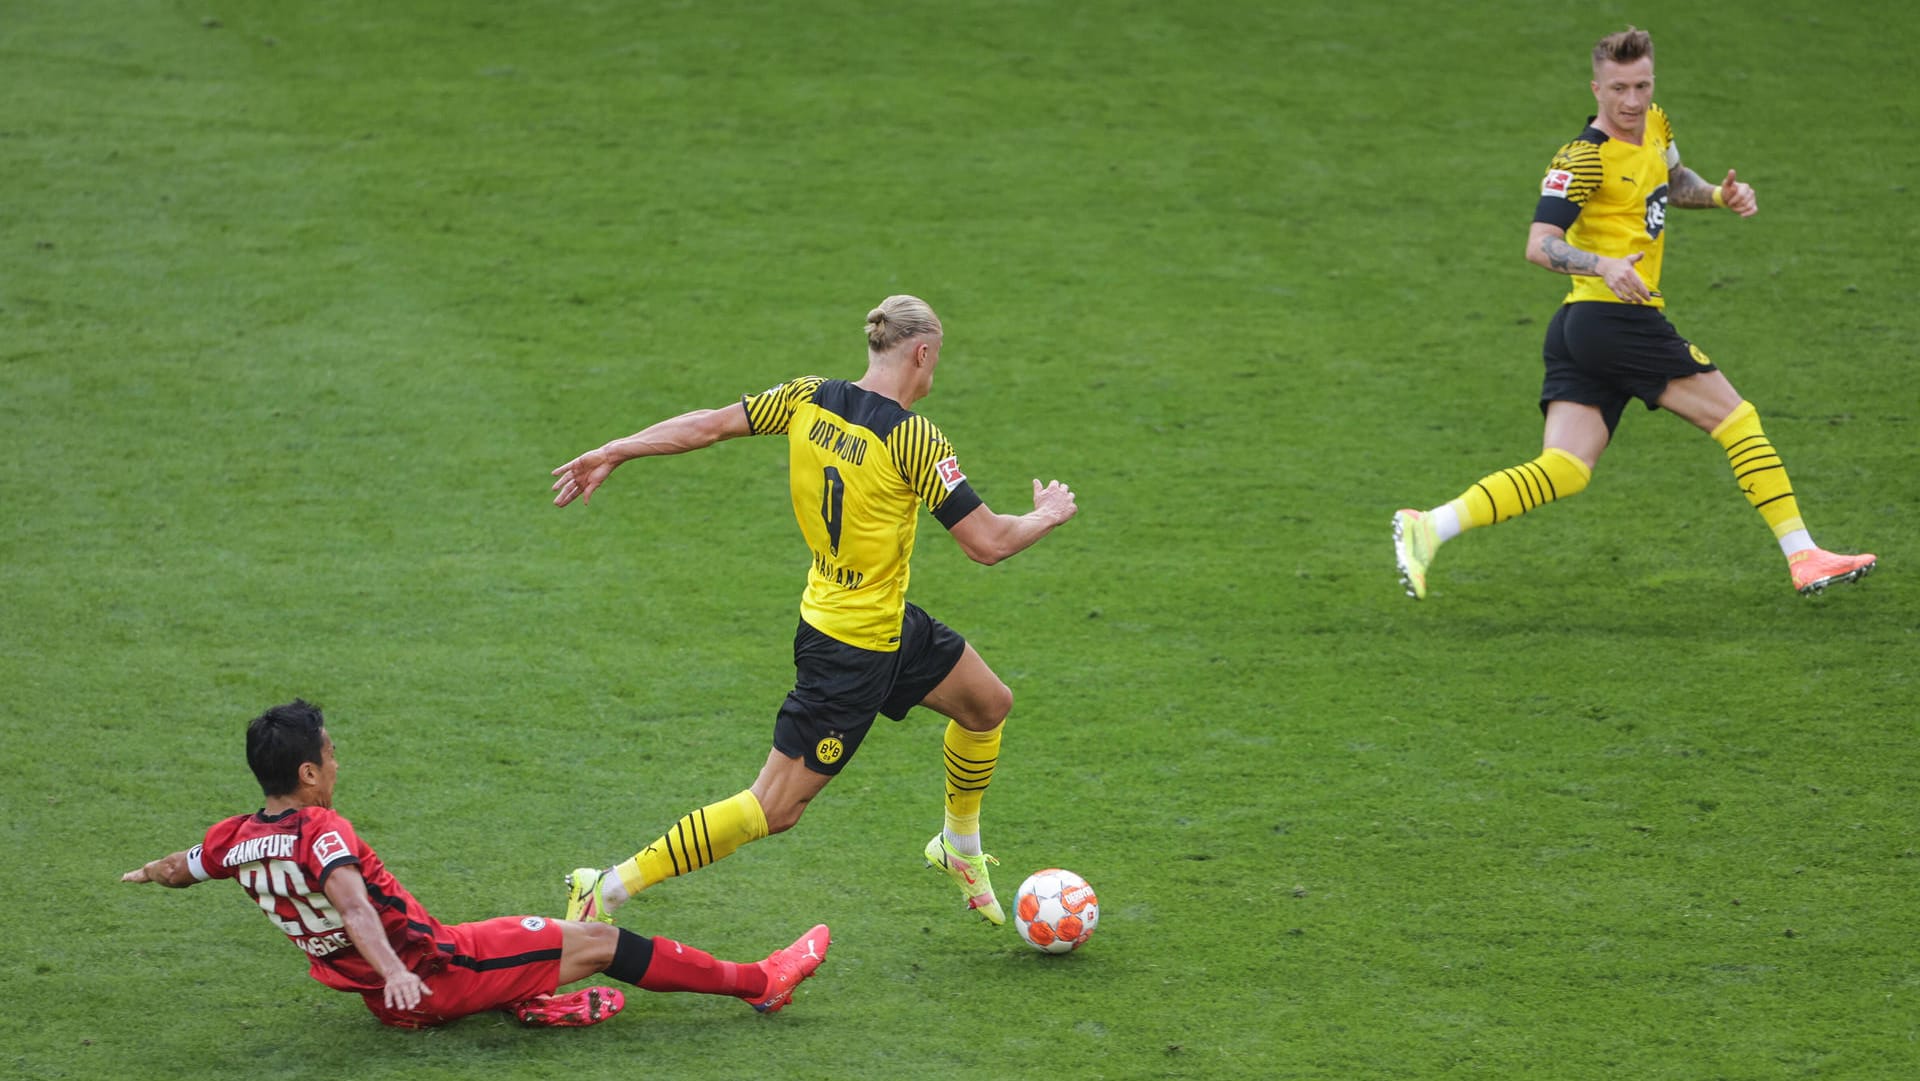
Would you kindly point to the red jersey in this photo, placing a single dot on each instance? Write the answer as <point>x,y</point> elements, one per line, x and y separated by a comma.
<point>283,860</point>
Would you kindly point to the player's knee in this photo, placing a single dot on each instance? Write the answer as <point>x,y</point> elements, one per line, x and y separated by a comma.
<point>783,816</point>
<point>990,707</point>
<point>592,944</point>
<point>1002,702</point>
<point>602,939</point>
<point>784,787</point>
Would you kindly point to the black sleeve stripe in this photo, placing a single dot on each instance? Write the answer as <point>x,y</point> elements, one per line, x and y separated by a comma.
<point>1553,210</point>
<point>959,503</point>
<point>344,861</point>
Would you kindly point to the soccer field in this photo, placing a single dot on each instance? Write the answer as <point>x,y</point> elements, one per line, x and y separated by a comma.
<point>299,303</point>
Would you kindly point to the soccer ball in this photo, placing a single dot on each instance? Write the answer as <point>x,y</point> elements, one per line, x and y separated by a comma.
<point>1055,911</point>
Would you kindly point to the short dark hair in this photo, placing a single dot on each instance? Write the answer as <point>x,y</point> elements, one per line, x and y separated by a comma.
<point>280,740</point>
<point>1623,48</point>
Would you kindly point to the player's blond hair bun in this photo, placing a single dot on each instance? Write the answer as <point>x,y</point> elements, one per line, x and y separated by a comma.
<point>897,319</point>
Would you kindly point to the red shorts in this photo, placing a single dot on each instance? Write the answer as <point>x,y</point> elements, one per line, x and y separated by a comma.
<point>488,964</point>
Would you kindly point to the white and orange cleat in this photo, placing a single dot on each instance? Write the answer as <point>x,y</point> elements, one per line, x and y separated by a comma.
<point>1814,569</point>
<point>787,969</point>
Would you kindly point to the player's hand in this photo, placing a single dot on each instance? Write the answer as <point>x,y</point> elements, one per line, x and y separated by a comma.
<point>1624,280</point>
<point>403,991</point>
<point>1739,197</point>
<point>1055,500</point>
<point>138,874</point>
<point>581,476</point>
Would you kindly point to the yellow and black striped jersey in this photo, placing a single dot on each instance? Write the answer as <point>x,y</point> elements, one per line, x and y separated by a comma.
<point>859,467</point>
<point>1611,198</point>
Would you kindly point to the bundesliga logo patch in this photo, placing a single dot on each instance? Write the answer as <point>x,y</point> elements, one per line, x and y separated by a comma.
<point>949,469</point>
<point>533,923</point>
<point>329,847</point>
<point>1556,182</point>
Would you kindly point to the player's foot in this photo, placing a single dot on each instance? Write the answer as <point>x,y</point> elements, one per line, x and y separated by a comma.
<point>1414,544</point>
<point>583,895</point>
<point>1814,569</point>
<point>971,873</point>
<point>787,968</point>
<point>587,1006</point>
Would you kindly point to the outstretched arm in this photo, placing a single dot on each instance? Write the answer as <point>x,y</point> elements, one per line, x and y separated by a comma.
<point>1547,247</point>
<point>348,892</point>
<point>675,435</point>
<point>988,538</point>
<point>1685,188</point>
<point>170,871</point>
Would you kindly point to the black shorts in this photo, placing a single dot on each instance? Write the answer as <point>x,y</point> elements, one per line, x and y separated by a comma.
<point>838,689</point>
<point>1602,354</point>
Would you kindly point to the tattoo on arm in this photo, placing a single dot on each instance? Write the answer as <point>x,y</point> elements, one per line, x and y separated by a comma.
<point>1686,189</point>
<point>1567,259</point>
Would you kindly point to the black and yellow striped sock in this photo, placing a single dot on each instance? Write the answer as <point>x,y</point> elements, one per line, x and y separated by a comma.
<point>698,839</point>
<point>970,758</point>
<point>1758,470</point>
<point>1518,489</point>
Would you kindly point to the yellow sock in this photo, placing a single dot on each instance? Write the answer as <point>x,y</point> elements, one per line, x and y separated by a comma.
<point>696,840</point>
<point>1518,489</point>
<point>1758,470</point>
<point>971,757</point>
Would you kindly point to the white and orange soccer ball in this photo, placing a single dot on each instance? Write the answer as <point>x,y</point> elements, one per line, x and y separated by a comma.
<point>1055,911</point>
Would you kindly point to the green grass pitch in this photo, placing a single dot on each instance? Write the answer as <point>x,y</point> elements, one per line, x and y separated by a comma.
<point>299,302</point>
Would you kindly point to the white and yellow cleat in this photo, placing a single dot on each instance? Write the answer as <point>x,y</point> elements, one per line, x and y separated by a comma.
<point>970,872</point>
<point>583,895</point>
<point>1414,545</point>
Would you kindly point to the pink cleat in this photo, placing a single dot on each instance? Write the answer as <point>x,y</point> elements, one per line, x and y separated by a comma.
<point>786,968</point>
<point>587,1006</point>
<point>1814,569</point>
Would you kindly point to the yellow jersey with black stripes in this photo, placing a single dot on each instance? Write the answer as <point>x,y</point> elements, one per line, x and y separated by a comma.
<point>1611,198</point>
<point>860,467</point>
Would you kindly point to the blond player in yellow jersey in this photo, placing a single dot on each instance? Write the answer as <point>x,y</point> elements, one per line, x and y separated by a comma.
<point>1602,219</point>
<point>861,465</point>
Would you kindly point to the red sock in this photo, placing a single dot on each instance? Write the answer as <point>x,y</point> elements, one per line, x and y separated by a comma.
<point>679,967</point>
